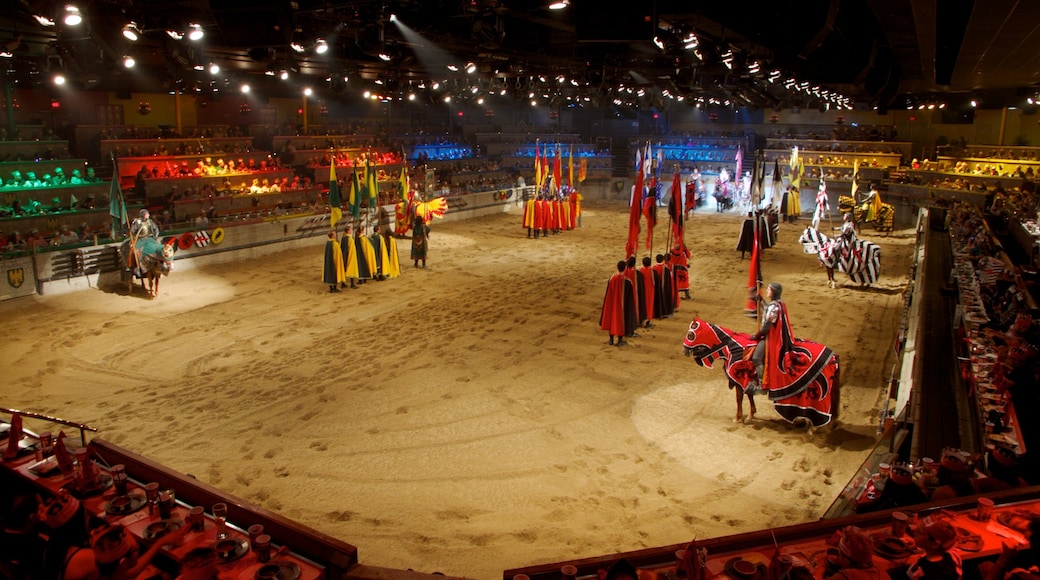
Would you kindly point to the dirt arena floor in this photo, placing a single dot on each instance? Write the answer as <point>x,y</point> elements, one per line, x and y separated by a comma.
<point>470,417</point>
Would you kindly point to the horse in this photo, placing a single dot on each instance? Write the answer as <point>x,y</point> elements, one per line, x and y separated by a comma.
<point>150,260</point>
<point>883,222</point>
<point>860,259</point>
<point>810,375</point>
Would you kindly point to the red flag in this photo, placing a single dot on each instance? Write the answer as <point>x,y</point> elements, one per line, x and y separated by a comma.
<point>754,278</point>
<point>675,210</point>
<point>650,211</point>
<point>633,213</point>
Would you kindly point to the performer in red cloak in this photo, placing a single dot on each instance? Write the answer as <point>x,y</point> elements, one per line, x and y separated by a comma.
<point>638,307</point>
<point>648,286</point>
<point>680,259</point>
<point>665,293</point>
<point>542,215</point>
<point>612,318</point>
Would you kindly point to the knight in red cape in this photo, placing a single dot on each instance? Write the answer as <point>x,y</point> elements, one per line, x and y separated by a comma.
<point>774,339</point>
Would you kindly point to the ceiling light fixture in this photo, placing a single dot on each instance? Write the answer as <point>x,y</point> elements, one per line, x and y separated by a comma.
<point>690,42</point>
<point>195,31</point>
<point>321,47</point>
<point>128,61</point>
<point>284,75</point>
<point>559,4</point>
<point>43,20</point>
<point>213,68</point>
<point>384,57</point>
<point>73,17</point>
<point>174,34</point>
<point>470,67</point>
<point>131,32</point>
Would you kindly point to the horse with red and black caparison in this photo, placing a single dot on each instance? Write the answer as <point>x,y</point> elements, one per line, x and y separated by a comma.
<point>803,376</point>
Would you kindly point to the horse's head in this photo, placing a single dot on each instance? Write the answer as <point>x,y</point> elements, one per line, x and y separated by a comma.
<point>166,264</point>
<point>701,342</point>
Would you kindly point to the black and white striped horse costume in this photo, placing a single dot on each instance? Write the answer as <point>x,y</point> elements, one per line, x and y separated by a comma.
<point>860,259</point>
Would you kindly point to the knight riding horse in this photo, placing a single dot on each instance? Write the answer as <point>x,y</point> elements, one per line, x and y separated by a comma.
<point>149,259</point>
<point>871,210</point>
<point>803,376</point>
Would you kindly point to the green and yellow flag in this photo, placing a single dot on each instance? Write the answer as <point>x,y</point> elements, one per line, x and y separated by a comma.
<point>371,183</point>
<point>355,194</point>
<point>334,198</point>
<point>406,186</point>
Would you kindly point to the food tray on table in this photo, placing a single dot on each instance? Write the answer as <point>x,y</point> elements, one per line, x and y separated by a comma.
<point>231,548</point>
<point>893,548</point>
<point>278,570</point>
<point>122,505</point>
<point>156,530</point>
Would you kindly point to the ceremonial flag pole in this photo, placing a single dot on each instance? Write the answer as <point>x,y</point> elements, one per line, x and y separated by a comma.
<point>855,192</point>
<point>634,209</point>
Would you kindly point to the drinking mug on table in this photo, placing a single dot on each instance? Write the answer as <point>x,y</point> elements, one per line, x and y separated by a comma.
<point>899,523</point>
<point>166,502</point>
<point>984,511</point>
<point>255,531</point>
<point>197,518</point>
<point>263,547</point>
<point>151,492</point>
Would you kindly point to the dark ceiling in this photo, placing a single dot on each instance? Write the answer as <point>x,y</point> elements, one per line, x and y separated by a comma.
<point>876,52</point>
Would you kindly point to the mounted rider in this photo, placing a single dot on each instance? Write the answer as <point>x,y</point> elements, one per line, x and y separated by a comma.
<point>773,332</point>
<point>144,227</point>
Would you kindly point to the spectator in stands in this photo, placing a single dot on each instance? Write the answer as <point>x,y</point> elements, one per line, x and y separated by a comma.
<point>899,491</point>
<point>67,537</point>
<point>67,236</point>
<point>21,548</point>
<point>35,240</point>
<point>139,180</point>
<point>854,559</point>
<point>1016,562</point>
<point>116,554</point>
<point>954,476</point>
<point>202,220</point>
<point>940,560</point>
